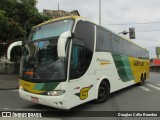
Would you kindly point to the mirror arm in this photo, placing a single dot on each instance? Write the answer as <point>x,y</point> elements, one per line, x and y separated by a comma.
<point>72,35</point>
<point>18,43</point>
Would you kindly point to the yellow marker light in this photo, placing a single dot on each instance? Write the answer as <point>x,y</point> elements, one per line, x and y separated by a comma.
<point>20,87</point>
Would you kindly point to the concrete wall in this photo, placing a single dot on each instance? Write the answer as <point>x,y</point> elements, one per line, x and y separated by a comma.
<point>9,68</point>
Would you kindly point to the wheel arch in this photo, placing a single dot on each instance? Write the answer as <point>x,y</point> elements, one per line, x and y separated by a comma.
<point>99,82</point>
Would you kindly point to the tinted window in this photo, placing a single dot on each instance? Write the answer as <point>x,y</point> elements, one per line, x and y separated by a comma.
<point>82,49</point>
<point>103,40</point>
<point>127,49</point>
<point>121,46</point>
<point>77,59</point>
<point>116,44</point>
<point>109,42</point>
<point>85,32</point>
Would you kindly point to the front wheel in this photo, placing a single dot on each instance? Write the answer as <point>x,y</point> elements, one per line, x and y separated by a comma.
<point>103,93</point>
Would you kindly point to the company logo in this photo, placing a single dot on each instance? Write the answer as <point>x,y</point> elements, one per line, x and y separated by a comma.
<point>84,92</point>
<point>103,61</point>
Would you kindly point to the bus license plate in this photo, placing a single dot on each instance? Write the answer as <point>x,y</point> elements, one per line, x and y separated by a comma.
<point>34,99</point>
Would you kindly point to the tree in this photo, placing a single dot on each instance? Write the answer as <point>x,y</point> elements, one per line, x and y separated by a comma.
<point>17,17</point>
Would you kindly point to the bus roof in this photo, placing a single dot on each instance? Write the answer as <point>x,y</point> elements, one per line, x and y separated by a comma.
<point>57,19</point>
<point>75,17</point>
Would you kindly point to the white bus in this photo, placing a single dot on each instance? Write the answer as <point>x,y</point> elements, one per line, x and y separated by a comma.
<point>69,61</point>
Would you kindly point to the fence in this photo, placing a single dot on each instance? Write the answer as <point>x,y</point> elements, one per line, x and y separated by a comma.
<point>9,67</point>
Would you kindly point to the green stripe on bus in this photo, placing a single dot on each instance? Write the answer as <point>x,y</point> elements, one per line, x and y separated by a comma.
<point>123,67</point>
<point>46,86</point>
<point>39,86</point>
<point>127,67</point>
<point>50,86</point>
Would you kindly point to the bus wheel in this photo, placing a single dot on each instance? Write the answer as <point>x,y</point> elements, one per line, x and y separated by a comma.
<point>103,93</point>
<point>142,80</point>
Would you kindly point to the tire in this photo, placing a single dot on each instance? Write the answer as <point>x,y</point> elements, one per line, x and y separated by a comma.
<point>103,93</point>
<point>142,80</point>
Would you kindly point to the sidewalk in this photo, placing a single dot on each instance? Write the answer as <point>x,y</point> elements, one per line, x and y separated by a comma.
<point>9,82</point>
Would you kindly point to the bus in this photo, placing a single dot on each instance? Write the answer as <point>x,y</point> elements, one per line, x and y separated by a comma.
<point>70,60</point>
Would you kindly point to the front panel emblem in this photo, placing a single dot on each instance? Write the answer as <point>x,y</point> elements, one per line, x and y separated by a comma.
<point>83,94</point>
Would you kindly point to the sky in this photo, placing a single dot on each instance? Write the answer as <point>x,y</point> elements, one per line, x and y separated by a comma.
<point>118,12</point>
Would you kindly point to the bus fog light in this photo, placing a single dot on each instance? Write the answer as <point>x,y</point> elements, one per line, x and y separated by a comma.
<point>60,104</point>
<point>56,92</point>
<point>20,87</point>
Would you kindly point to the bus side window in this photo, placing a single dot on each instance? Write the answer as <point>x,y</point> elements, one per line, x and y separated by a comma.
<point>77,67</point>
<point>82,48</point>
<point>77,58</point>
<point>104,43</point>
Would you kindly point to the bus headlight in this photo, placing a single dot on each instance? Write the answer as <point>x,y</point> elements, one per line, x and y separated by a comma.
<point>56,92</point>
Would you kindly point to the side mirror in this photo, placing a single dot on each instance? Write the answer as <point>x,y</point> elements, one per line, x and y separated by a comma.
<point>62,41</point>
<point>18,43</point>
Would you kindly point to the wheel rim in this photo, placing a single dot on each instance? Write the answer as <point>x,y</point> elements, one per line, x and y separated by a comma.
<point>101,92</point>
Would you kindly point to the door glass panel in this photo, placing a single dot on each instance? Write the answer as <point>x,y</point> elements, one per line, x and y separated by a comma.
<point>77,59</point>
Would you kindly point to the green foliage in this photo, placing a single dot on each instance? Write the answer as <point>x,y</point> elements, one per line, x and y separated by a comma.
<point>17,17</point>
<point>2,14</point>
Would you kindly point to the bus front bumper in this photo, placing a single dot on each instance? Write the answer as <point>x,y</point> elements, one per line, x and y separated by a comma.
<point>52,101</point>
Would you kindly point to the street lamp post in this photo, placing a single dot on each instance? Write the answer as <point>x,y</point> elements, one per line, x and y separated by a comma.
<point>58,6</point>
<point>99,12</point>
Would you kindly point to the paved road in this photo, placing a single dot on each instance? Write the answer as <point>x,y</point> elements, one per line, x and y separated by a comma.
<point>8,82</point>
<point>134,98</point>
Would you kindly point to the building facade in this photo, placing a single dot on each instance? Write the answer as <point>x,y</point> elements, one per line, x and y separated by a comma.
<point>59,13</point>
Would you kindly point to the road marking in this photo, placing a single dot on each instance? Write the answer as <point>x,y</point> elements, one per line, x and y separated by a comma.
<point>144,88</point>
<point>155,87</point>
<point>153,75</point>
<point>15,90</point>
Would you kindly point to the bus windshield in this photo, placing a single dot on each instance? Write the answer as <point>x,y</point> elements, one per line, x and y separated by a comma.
<point>51,30</point>
<point>40,61</point>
